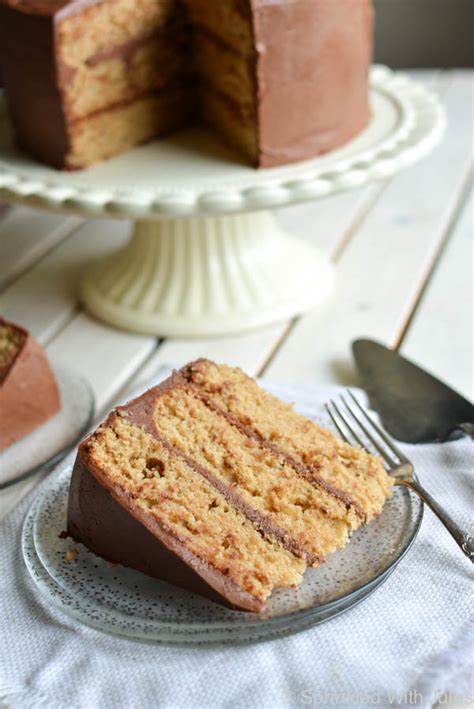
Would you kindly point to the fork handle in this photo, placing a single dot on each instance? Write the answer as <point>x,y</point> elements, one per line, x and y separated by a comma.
<point>464,540</point>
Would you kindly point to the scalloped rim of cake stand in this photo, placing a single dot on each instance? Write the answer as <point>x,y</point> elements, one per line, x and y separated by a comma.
<point>197,183</point>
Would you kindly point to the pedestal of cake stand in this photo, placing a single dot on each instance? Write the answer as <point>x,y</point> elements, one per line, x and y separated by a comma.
<point>199,276</point>
<point>204,258</point>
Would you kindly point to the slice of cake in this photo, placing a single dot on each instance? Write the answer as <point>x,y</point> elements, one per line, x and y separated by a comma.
<point>280,80</point>
<point>29,394</point>
<point>209,482</point>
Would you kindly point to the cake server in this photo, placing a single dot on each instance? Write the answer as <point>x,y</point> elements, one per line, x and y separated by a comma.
<point>413,405</point>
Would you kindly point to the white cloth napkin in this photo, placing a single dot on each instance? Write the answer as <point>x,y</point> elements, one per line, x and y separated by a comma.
<point>407,644</point>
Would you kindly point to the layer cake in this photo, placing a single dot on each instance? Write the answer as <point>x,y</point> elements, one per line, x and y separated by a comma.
<point>281,80</point>
<point>209,482</point>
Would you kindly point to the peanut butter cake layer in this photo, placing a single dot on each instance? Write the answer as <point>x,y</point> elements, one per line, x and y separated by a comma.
<point>195,482</point>
<point>29,394</point>
<point>12,340</point>
<point>329,460</point>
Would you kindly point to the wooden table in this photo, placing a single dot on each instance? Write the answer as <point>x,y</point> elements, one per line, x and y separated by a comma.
<point>403,251</point>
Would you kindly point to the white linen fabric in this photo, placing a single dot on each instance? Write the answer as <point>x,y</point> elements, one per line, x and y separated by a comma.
<point>410,643</point>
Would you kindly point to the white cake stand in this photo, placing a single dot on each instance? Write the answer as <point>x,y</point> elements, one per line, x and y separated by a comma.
<point>204,256</point>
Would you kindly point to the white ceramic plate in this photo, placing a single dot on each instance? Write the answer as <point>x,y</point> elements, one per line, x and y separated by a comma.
<point>125,602</point>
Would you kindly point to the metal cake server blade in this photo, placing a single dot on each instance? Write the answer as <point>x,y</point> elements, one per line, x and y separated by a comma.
<point>414,406</point>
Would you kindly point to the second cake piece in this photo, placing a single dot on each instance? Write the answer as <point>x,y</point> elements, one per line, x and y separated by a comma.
<point>211,483</point>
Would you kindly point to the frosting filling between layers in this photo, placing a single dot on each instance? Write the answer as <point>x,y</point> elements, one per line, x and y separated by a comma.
<point>358,477</point>
<point>265,480</point>
<point>262,521</point>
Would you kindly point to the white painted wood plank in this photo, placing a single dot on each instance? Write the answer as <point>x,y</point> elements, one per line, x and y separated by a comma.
<point>105,356</point>
<point>381,272</point>
<point>26,235</point>
<point>440,334</point>
<point>45,298</point>
<point>327,223</point>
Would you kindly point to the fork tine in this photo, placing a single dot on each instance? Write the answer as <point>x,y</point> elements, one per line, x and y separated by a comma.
<point>382,451</point>
<point>335,421</point>
<point>380,431</point>
<point>348,425</point>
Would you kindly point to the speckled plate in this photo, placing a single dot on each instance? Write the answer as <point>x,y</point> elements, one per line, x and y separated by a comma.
<point>125,602</point>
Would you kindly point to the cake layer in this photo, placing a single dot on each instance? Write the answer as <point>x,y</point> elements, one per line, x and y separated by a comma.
<point>165,493</point>
<point>234,123</point>
<point>111,52</point>
<point>350,469</point>
<point>125,72</point>
<point>316,519</point>
<point>223,69</point>
<point>11,341</point>
<point>112,131</point>
<point>229,20</point>
<point>83,29</point>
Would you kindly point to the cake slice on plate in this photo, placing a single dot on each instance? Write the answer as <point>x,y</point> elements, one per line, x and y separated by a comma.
<point>29,394</point>
<point>211,483</point>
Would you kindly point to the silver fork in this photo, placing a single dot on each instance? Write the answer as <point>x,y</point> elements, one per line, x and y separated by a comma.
<point>354,420</point>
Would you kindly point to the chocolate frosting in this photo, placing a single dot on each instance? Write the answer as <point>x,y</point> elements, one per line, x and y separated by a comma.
<point>109,524</point>
<point>312,59</point>
<point>29,394</point>
<point>315,97</point>
<point>29,75</point>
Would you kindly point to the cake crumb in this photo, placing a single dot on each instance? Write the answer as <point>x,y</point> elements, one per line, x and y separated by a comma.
<point>71,555</point>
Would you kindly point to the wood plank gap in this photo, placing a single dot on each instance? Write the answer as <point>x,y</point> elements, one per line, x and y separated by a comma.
<point>61,325</point>
<point>272,352</point>
<point>59,235</point>
<point>114,399</point>
<point>358,220</point>
<point>126,385</point>
<point>449,231</point>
